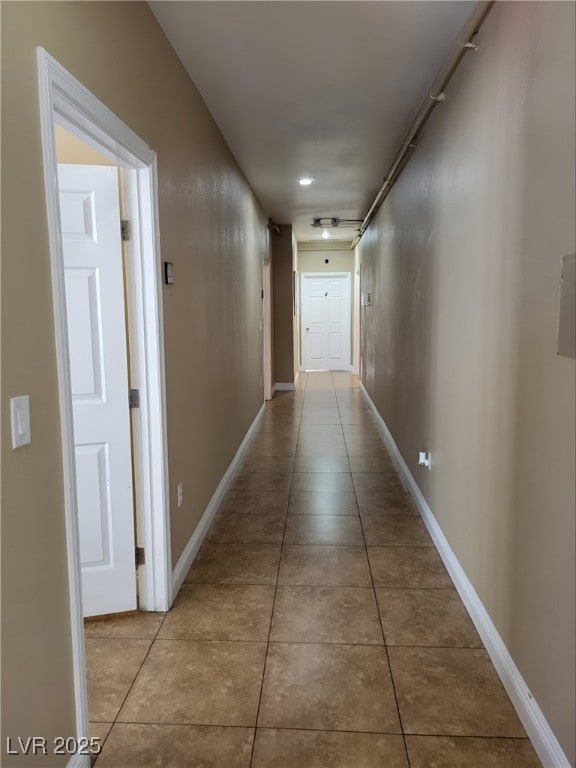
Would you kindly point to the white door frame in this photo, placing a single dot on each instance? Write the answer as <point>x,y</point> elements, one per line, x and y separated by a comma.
<point>65,100</point>
<point>324,275</point>
<point>267,323</point>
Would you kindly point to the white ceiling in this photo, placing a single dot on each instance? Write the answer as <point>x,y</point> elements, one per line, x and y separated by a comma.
<point>322,89</point>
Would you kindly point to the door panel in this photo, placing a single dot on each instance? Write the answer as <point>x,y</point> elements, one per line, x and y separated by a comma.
<point>90,217</point>
<point>326,319</point>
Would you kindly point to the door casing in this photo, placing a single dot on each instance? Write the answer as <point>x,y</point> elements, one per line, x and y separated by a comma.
<point>65,100</point>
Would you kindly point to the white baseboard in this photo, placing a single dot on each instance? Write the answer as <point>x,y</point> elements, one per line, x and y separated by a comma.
<point>284,387</point>
<point>78,761</point>
<point>191,550</point>
<point>539,732</point>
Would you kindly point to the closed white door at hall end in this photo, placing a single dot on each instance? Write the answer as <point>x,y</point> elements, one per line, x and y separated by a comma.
<point>326,321</point>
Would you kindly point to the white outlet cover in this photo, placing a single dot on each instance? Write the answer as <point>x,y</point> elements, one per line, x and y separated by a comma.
<point>20,420</point>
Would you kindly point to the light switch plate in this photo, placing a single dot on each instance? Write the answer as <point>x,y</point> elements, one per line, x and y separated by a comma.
<point>20,420</point>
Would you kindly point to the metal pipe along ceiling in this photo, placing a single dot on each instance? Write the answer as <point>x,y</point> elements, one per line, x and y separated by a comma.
<point>464,43</point>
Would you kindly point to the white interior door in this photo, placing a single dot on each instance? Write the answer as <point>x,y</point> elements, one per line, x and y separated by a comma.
<point>90,218</point>
<point>326,322</point>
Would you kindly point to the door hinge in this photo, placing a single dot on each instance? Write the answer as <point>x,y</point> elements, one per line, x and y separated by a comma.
<point>125,229</point>
<point>140,556</point>
<point>262,293</point>
<point>134,398</point>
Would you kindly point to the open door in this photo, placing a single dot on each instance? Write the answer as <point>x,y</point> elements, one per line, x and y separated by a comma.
<point>94,280</point>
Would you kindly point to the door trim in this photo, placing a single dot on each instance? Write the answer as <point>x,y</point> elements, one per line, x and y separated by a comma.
<point>348,278</point>
<point>65,100</point>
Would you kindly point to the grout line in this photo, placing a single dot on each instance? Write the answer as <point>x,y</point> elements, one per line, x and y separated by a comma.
<point>274,598</point>
<point>383,636</point>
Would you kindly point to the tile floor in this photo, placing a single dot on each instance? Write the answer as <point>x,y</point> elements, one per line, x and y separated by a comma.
<point>317,626</point>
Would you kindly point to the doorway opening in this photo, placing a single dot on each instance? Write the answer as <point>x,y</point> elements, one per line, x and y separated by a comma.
<point>86,378</point>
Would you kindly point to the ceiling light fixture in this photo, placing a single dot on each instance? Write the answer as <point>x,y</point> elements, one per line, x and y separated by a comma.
<point>325,234</point>
<point>305,182</point>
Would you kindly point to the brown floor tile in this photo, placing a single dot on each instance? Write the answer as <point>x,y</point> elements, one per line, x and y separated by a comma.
<point>316,482</point>
<point>395,531</point>
<point>327,749</point>
<point>256,528</point>
<point>111,667</point>
<point>381,462</point>
<point>324,566</point>
<point>323,416</point>
<point>137,626</point>
<point>385,483</point>
<point>267,464</point>
<point>322,464</point>
<point>325,503</point>
<point>320,430</point>
<point>220,612</point>
<point>308,449</point>
<point>338,530</point>
<point>379,503</point>
<point>426,617</point>
<point>328,687</point>
<point>133,745</point>
<point>249,502</point>
<point>447,752</point>
<point>451,691</point>
<point>261,481</point>
<point>411,567</point>
<point>199,683</point>
<point>235,564</point>
<point>99,732</point>
<point>326,615</point>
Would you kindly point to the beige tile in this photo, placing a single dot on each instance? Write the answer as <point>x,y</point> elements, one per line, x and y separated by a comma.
<point>451,691</point>
<point>235,564</point>
<point>133,745</point>
<point>248,502</point>
<point>372,502</point>
<point>324,566</point>
<point>200,683</point>
<point>328,687</point>
<point>395,531</point>
<point>321,464</point>
<point>137,626</point>
<point>220,612</point>
<point>411,567</point>
<point>312,449</point>
<point>270,464</point>
<point>327,749</point>
<point>325,503</point>
<point>261,481</point>
<point>335,482</point>
<point>326,615</point>
<point>337,530</point>
<point>387,483</point>
<point>378,462</point>
<point>426,617</point>
<point>98,733</point>
<point>449,751</point>
<point>256,528</point>
<point>111,667</point>
<point>320,430</point>
<point>322,416</point>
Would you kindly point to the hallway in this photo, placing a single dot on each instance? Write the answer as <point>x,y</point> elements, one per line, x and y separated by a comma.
<point>317,610</point>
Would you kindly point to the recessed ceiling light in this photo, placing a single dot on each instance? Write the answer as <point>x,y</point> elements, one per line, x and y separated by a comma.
<point>305,182</point>
<point>325,234</point>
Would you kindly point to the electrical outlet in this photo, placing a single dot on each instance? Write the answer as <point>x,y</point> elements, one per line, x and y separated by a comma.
<point>180,494</point>
<point>425,459</point>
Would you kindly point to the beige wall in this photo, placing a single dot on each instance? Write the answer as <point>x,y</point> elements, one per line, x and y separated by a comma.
<point>214,231</point>
<point>313,261</point>
<point>459,346</point>
<point>71,149</point>
<point>282,313</point>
